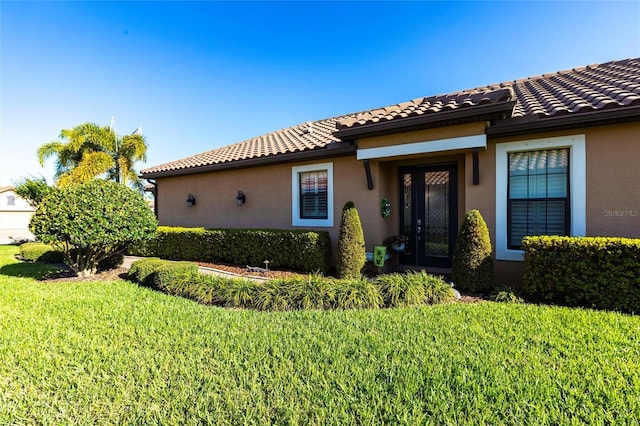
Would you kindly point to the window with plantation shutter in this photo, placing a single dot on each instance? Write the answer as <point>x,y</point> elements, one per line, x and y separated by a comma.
<point>312,195</point>
<point>538,194</point>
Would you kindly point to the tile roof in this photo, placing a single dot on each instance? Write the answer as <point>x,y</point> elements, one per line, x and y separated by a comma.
<point>303,137</point>
<point>608,86</point>
<point>591,88</point>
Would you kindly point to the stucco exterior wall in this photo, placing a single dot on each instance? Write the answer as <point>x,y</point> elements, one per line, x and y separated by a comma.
<point>612,186</point>
<point>268,198</point>
<point>612,182</point>
<point>14,218</point>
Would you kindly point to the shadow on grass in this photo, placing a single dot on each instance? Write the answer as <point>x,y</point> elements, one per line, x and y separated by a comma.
<point>35,270</point>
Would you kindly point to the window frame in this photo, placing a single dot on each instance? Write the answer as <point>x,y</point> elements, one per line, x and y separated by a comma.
<point>296,196</point>
<point>565,200</point>
<point>577,185</point>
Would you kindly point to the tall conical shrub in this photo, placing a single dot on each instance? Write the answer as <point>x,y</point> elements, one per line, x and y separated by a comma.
<point>472,267</point>
<point>351,251</point>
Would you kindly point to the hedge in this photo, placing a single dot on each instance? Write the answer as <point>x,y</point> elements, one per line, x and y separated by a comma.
<point>307,251</point>
<point>159,274</point>
<point>592,272</point>
<point>40,252</point>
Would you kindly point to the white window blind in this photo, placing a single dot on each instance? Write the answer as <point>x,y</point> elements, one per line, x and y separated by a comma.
<point>538,194</point>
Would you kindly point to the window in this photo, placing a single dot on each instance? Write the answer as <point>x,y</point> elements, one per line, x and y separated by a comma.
<point>538,194</point>
<point>540,190</point>
<point>312,195</point>
<point>11,200</point>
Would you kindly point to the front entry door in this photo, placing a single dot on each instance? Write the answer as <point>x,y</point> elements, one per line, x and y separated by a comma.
<point>430,204</point>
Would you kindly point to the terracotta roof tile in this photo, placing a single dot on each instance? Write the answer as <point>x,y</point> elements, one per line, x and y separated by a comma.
<point>592,88</point>
<point>303,137</point>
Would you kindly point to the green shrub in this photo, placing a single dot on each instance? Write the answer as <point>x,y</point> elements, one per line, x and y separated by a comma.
<point>436,289</point>
<point>91,221</point>
<point>351,256</point>
<point>169,273</point>
<point>592,272</point>
<point>397,291</point>
<point>275,295</point>
<point>506,295</point>
<point>141,271</point>
<point>302,250</point>
<point>239,293</point>
<point>357,293</point>
<point>292,293</point>
<point>40,252</point>
<point>413,289</point>
<point>313,291</point>
<point>472,267</point>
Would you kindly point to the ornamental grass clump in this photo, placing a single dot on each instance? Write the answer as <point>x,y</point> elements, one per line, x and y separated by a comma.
<point>413,289</point>
<point>313,291</point>
<point>357,293</point>
<point>351,250</point>
<point>239,293</point>
<point>472,265</point>
<point>398,291</point>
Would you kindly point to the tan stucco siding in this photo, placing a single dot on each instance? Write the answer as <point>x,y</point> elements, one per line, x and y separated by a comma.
<point>612,175</point>
<point>613,181</point>
<point>268,198</point>
<point>438,133</point>
<point>612,185</point>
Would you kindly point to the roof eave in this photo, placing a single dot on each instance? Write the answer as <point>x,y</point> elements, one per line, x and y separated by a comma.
<point>508,127</point>
<point>439,119</point>
<point>332,150</point>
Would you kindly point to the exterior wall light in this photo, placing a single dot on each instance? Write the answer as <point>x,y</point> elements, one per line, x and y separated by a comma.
<point>191,200</point>
<point>240,198</point>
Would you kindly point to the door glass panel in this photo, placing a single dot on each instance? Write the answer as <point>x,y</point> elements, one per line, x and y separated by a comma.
<point>406,208</point>
<point>436,208</point>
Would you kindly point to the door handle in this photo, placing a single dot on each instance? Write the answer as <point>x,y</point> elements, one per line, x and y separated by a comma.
<point>419,227</point>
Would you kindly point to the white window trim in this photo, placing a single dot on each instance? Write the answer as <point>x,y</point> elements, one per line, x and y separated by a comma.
<point>577,185</point>
<point>295,195</point>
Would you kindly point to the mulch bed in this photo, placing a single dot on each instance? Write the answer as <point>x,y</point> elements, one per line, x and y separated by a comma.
<point>244,271</point>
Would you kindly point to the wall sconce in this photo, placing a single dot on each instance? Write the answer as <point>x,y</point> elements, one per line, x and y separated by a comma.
<point>240,199</point>
<point>191,200</point>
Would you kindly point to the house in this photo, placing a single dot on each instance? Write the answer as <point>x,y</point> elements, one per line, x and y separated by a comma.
<point>15,214</point>
<point>553,154</point>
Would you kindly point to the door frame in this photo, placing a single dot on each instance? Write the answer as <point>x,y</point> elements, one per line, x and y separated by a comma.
<point>416,257</point>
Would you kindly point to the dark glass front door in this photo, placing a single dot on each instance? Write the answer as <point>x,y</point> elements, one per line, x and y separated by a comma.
<point>430,211</point>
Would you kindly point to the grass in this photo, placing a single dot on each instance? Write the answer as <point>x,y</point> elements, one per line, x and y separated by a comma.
<point>117,353</point>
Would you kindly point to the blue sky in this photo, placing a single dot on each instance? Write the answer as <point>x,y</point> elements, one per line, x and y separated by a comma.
<point>199,75</point>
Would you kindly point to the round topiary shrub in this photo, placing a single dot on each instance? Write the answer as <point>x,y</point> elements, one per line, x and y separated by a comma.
<point>91,222</point>
<point>472,267</point>
<point>351,250</point>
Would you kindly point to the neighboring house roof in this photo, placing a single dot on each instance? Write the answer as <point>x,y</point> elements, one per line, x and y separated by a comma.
<point>5,189</point>
<point>594,94</point>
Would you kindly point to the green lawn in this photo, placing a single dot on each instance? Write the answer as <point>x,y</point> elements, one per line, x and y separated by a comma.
<point>116,353</point>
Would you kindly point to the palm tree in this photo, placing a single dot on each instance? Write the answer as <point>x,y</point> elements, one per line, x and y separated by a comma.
<point>91,150</point>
